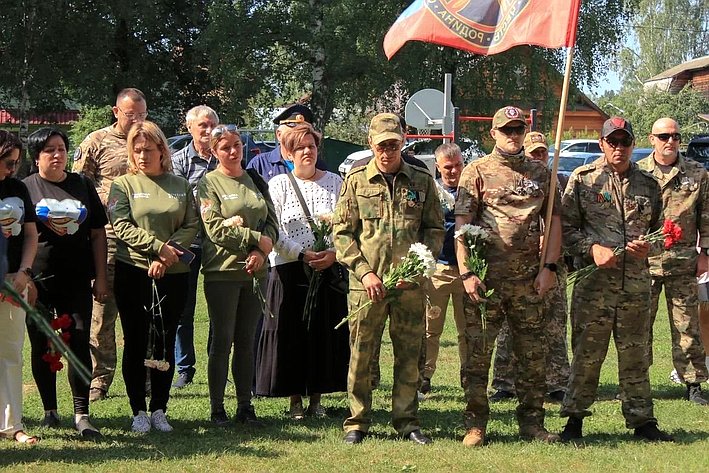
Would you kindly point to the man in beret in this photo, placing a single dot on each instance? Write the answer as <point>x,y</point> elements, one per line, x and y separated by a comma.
<point>383,208</point>
<point>554,310</point>
<point>506,195</point>
<point>609,204</point>
<point>274,163</point>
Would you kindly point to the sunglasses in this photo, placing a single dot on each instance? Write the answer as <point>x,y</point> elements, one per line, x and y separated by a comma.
<point>616,142</point>
<point>390,148</point>
<point>510,130</point>
<point>133,116</point>
<point>221,129</point>
<point>666,136</point>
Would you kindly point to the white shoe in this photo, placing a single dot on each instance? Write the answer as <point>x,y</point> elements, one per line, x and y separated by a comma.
<point>674,377</point>
<point>159,421</point>
<point>141,423</point>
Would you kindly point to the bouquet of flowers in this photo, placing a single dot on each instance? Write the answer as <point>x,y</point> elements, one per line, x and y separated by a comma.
<point>669,234</point>
<point>53,357</point>
<point>446,198</point>
<point>236,222</point>
<point>155,329</point>
<point>418,263</point>
<point>474,238</point>
<point>322,231</point>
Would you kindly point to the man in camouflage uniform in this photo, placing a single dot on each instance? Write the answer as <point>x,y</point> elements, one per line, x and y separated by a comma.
<point>554,310</point>
<point>506,194</point>
<point>383,208</point>
<point>611,204</point>
<point>685,200</point>
<point>102,157</point>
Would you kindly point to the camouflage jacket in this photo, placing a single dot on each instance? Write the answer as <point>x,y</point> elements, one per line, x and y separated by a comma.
<point>507,195</point>
<point>685,201</point>
<point>102,157</point>
<point>600,206</point>
<point>373,228</point>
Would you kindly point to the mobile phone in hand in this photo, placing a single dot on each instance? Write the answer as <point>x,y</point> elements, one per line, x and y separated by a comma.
<point>187,256</point>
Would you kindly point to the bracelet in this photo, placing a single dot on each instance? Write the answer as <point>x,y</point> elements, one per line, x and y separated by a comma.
<point>467,275</point>
<point>28,272</point>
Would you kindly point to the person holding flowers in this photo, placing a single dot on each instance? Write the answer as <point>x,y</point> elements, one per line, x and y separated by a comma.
<point>240,229</point>
<point>610,207</point>
<point>17,222</point>
<point>501,198</point>
<point>384,208</point>
<point>155,220</point>
<point>299,352</point>
<point>70,221</point>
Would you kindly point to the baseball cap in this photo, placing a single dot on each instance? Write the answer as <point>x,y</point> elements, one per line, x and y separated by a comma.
<point>294,114</point>
<point>534,140</point>
<point>385,126</point>
<point>617,123</point>
<point>507,115</point>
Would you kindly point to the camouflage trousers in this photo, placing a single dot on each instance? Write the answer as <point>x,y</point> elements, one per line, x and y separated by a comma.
<point>557,360</point>
<point>445,286</point>
<point>688,356</point>
<point>597,312</point>
<point>518,303</point>
<point>103,330</point>
<point>406,329</point>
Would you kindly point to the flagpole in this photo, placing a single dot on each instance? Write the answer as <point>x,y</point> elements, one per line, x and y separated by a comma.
<point>555,164</point>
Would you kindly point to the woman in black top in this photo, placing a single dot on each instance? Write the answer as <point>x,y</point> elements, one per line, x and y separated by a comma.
<point>72,253</point>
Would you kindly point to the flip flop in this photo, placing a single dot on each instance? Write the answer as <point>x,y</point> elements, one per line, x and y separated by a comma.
<point>21,437</point>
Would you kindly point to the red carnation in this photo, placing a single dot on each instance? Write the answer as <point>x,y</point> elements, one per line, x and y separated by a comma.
<point>57,366</point>
<point>672,233</point>
<point>66,336</point>
<point>55,324</point>
<point>65,321</point>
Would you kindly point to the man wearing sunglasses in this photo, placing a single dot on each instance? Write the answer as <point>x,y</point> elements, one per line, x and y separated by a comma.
<point>608,206</point>
<point>685,196</point>
<point>506,194</point>
<point>102,157</point>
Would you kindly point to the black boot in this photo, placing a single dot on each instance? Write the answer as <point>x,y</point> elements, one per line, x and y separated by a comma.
<point>694,394</point>
<point>650,432</point>
<point>502,395</point>
<point>573,430</point>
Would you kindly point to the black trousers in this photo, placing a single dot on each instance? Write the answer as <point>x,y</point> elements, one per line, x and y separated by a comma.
<point>134,293</point>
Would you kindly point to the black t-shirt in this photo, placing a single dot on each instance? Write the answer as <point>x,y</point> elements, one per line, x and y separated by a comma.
<point>66,211</point>
<point>16,209</point>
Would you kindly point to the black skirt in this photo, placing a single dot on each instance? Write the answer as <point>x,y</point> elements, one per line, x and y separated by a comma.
<point>295,357</point>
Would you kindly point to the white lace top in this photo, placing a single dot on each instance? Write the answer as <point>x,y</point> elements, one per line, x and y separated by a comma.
<point>295,234</point>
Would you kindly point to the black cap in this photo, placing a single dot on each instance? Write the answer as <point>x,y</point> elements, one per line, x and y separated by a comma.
<point>615,124</point>
<point>295,113</point>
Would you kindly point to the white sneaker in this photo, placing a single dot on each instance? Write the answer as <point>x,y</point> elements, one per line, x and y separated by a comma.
<point>674,377</point>
<point>141,423</point>
<point>159,421</point>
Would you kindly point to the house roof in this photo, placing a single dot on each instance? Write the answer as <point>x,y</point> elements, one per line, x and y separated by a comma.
<point>699,63</point>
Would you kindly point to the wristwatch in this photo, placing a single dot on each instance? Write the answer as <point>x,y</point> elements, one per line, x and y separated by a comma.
<point>550,266</point>
<point>465,276</point>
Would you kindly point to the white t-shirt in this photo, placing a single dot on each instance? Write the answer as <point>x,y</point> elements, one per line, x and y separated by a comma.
<point>294,232</point>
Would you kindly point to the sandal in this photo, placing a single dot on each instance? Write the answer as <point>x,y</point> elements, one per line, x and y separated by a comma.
<point>21,437</point>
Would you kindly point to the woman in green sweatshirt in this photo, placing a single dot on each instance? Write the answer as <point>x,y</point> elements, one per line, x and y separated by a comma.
<point>155,219</point>
<point>240,228</point>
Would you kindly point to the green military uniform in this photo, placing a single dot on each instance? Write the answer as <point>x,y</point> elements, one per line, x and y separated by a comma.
<point>506,195</point>
<point>555,327</point>
<point>103,157</point>
<point>603,207</point>
<point>685,200</point>
<point>373,228</point>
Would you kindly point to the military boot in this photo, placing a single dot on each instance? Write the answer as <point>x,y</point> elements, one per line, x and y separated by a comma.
<point>573,430</point>
<point>651,432</point>
<point>538,432</point>
<point>694,394</point>
<point>474,437</point>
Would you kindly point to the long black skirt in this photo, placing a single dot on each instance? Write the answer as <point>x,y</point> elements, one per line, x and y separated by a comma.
<point>295,357</point>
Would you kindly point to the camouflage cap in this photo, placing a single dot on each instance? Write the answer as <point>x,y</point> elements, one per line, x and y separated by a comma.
<point>617,123</point>
<point>534,140</point>
<point>385,126</point>
<point>507,115</point>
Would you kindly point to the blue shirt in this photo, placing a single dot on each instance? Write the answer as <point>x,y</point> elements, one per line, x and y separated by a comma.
<point>271,164</point>
<point>447,255</point>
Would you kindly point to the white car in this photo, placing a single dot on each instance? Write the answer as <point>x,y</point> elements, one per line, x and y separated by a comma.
<point>571,147</point>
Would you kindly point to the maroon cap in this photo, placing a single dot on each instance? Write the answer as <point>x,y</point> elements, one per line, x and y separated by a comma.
<point>617,123</point>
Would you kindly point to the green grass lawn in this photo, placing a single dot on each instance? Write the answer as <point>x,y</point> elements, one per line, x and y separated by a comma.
<point>316,445</point>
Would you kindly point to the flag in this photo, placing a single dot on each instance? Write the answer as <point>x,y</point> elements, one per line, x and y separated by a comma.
<point>485,26</point>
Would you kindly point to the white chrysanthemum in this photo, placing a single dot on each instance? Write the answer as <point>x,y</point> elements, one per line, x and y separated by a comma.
<point>235,221</point>
<point>424,254</point>
<point>474,231</point>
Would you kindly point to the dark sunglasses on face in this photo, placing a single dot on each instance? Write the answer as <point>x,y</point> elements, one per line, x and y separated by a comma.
<point>615,142</point>
<point>509,130</point>
<point>666,136</point>
<point>389,148</point>
<point>221,129</point>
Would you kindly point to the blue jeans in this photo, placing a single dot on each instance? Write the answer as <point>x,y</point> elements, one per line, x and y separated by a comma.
<point>184,342</point>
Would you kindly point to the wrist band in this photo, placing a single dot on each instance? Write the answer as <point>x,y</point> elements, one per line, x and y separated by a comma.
<point>465,276</point>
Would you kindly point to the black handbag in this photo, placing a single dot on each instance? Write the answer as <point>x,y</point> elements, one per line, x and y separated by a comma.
<point>337,275</point>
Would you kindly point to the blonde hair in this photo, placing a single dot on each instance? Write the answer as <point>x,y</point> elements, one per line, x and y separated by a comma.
<point>291,138</point>
<point>150,131</point>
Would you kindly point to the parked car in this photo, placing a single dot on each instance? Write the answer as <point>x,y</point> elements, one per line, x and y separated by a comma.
<point>640,153</point>
<point>569,147</point>
<point>698,150</point>
<point>567,164</point>
<point>251,147</point>
<point>421,149</point>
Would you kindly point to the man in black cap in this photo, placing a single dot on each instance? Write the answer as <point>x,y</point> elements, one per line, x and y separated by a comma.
<point>274,163</point>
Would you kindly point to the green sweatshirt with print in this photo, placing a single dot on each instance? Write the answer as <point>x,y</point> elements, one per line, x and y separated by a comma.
<point>225,247</point>
<point>146,212</point>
